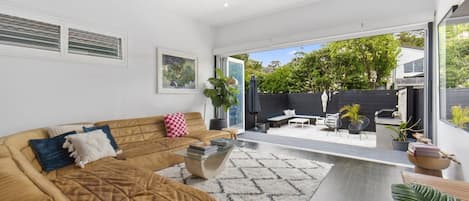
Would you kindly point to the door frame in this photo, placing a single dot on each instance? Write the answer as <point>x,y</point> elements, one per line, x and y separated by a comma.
<point>240,82</point>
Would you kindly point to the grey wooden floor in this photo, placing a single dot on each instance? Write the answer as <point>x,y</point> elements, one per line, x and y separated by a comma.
<point>349,179</point>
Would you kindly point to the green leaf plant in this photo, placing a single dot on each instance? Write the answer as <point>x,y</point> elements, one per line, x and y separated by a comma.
<point>402,130</point>
<point>460,116</point>
<point>224,92</point>
<point>417,192</point>
<point>352,113</point>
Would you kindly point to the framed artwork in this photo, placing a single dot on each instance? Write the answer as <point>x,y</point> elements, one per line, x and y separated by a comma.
<point>177,72</point>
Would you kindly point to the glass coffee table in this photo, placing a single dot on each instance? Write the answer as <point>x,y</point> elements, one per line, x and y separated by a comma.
<point>206,166</point>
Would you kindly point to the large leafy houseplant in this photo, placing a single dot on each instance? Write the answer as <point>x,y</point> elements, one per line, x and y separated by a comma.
<point>460,116</point>
<point>417,192</point>
<point>223,93</point>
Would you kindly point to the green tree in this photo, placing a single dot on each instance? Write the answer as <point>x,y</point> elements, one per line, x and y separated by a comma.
<point>457,56</point>
<point>412,39</point>
<point>340,65</point>
<point>279,81</point>
<point>375,53</point>
<point>251,67</point>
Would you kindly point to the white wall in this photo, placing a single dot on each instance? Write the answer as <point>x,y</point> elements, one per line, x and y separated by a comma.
<point>449,138</point>
<point>37,92</point>
<point>320,20</point>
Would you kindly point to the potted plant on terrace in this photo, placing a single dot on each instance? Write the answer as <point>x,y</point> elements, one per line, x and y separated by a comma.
<point>223,94</point>
<point>400,141</point>
<point>460,116</point>
<point>352,112</point>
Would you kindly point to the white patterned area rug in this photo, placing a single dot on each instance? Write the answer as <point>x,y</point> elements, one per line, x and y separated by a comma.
<point>256,176</point>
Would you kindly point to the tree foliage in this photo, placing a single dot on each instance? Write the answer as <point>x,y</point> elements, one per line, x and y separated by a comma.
<point>412,39</point>
<point>456,59</point>
<point>251,67</point>
<point>340,65</point>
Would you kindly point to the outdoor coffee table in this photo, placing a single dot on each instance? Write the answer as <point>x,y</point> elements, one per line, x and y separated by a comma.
<point>206,166</point>
<point>298,121</point>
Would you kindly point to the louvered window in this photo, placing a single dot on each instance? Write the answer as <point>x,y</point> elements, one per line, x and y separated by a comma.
<point>94,44</point>
<point>23,32</point>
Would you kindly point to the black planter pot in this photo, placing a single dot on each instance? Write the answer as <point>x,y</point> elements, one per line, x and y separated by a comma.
<point>354,129</point>
<point>217,124</point>
<point>400,146</point>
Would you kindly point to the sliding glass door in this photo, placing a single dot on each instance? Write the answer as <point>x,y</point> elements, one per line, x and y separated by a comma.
<point>235,69</point>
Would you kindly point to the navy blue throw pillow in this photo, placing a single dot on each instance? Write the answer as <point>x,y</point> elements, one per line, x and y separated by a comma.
<point>106,130</point>
<point>50,153</point>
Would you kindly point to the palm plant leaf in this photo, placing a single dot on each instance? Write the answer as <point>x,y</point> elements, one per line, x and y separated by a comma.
<point>417,192</point>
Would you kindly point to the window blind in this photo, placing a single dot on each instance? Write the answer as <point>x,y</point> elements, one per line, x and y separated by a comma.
<point>23,32</point>
<point>94,44</point>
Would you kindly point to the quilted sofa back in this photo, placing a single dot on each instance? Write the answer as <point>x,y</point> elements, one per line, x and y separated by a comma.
<point>140,129</point>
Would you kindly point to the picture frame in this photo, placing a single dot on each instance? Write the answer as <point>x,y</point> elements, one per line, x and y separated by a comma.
<point>177,72</point>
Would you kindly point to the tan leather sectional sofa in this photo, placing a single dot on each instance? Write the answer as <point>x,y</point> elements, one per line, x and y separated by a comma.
<point>145,147</point>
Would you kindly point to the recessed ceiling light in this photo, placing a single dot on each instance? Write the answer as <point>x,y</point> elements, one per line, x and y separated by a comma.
<point>226,5</point>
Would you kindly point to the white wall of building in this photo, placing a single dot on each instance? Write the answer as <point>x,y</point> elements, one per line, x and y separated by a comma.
<point>449,138</point>
<point>407,55</point>
<point>37,92</point>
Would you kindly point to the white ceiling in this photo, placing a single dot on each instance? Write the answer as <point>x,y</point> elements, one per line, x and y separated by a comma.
<point>213,12</point>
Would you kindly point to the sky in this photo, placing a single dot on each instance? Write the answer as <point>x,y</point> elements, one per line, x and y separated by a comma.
<point>283,55</point>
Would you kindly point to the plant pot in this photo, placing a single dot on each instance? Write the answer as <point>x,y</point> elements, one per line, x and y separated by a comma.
<point>400,146</point>
<point>354,129</point>
<point>217,124</point>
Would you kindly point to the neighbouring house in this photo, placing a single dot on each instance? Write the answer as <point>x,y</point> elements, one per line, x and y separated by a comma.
<point>409,70</point>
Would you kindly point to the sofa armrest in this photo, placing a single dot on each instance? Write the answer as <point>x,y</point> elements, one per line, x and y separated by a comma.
<point>458,189</point>
<point>14,185</point>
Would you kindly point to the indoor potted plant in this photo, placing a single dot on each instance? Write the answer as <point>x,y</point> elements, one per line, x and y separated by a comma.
<point>356,120</point>
<point>400,141</point>
<point>223,94</point>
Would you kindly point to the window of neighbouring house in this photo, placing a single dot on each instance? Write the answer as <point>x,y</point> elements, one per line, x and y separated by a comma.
<point>414,66</point>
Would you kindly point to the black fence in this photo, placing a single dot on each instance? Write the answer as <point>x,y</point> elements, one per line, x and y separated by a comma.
<point>311,104</point>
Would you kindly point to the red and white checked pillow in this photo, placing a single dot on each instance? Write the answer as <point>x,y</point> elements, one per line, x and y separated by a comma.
<point>175,125</point>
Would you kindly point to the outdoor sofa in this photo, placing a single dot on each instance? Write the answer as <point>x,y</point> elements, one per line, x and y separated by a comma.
<point>278,121</point>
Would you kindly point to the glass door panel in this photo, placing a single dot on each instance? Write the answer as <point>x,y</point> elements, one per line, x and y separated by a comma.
<point>235,69</point>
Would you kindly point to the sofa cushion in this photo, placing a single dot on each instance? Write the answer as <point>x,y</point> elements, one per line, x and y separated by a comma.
<point>124,182</point>
<point>50,153</point>
<point>105,129</point>
<point>61,129</point>
<point>156,145</point>
<point>89,147</point>
<point>206,136</point>
<point>141,129</point>
<point>175,125</point>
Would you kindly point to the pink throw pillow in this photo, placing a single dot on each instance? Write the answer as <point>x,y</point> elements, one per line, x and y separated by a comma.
<point>175,125</point>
